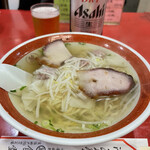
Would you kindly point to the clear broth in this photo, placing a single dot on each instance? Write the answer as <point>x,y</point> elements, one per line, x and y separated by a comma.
<point>119,108</point>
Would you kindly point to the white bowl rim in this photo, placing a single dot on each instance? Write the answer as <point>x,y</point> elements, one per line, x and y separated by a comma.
<point>77,141</point>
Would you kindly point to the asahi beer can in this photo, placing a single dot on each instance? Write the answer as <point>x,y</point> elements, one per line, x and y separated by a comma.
<point>87,15</point>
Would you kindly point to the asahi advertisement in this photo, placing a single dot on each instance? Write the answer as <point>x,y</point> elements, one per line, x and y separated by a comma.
<point>87,15</point>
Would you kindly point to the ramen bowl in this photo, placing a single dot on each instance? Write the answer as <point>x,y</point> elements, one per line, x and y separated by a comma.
<point>132,120</point>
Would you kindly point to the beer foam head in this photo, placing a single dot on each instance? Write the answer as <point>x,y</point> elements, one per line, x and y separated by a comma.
<point>45,12</point>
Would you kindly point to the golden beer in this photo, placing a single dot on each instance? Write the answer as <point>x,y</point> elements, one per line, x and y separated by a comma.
<point>45,18</point>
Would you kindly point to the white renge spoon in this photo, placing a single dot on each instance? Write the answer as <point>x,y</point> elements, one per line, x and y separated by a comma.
<point>12,78</point>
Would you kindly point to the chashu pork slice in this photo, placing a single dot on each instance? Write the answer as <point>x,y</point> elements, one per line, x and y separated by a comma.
<point>54,54</point>
<point>104,82</point>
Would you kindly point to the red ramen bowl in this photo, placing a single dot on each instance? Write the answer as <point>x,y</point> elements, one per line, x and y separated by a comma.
<point>136,117</point>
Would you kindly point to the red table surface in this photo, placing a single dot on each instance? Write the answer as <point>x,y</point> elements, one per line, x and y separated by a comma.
<point>134,30</point>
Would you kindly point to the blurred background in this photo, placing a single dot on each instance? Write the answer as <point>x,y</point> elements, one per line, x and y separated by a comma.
<point>129,5</point>
<point>113,13</point>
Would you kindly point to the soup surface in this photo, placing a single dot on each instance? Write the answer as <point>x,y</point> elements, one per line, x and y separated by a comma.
<point>58,104</point>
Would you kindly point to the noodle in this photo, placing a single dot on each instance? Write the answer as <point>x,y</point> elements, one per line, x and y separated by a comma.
<point>59,100</point>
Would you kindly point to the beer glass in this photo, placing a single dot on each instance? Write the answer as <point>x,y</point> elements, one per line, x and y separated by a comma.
<point>45,18</point>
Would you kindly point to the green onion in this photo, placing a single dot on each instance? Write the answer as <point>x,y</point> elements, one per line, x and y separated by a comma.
<point>48,125</point>
<point>59,130</point>
<point>51,126</point>
<point>13,91</point>
<point>36,122</point>
<point>81,43</point>
<point>22,88</point>
<point>95,127</point>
